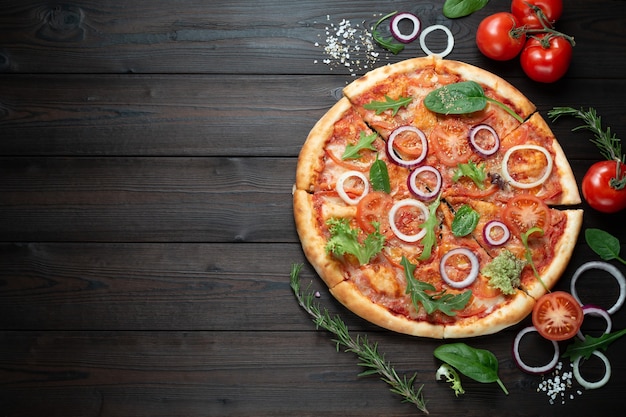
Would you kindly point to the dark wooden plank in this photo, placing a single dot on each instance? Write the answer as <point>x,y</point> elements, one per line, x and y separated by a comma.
<point>242,37</point>
<point>112,115</point>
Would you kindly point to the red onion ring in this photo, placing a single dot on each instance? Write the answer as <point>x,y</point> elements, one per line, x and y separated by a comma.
<point>506,233</point>
<point>472,138</point>
<point>411,181</point>
<point>533,369</point>
<point>592,385</point>
<point>395,30</point>
<point>395,158</point>
<point>605,266</point>
<point>600,312</point>
<point>392,219</point>
<point>471,277</point>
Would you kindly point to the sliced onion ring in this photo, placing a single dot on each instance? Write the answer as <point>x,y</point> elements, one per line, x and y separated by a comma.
<point>605,266</point>
<point>342,193</point>
<point>600,312</point>
<point>395,30</point>
<point>422,195</point>
<point>391,153</point>
<point>533,369</point>
<point>472,137</point>
<point>392,219</point>
<point>515,183</point>
<point>592,385</point>
<point>506,233</point>
<point>429,29</point>
<point>471,277</point>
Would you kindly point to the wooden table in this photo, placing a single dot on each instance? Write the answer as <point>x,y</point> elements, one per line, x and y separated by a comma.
<point>147,156</point>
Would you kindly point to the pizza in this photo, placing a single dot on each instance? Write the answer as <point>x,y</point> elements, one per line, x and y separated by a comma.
<point>437,222</point>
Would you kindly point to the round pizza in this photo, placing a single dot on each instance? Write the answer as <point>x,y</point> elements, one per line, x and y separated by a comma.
<point>434,200</point>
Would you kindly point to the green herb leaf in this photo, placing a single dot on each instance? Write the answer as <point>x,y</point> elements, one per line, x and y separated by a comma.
<point>453,9</point>
<point>388,104</point>
<point>465,221</point>
<point>388,43</point>
<point>442,301</point>
<point>365,142</point>
<point>430,225</point>
<point>462,98</point>
<point>478,364</point>
<point>528,254</point>
<point>379,176</point>
<point>585,348</point>
<point>476,173</point>
<point>344,239</point>
<point>604,244</point>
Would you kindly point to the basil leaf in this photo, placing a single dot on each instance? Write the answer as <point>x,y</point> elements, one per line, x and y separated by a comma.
<point>379,176</point>
<point>478,364</point>
<point>459,98</point>
<point>603,243</point>
<point>465,221</point>
<point>453,9</point>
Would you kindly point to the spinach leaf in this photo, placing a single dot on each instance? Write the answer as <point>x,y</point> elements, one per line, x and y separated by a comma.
<point>465,221</point>
<point>459,8</point>
<point>379,176</point>
<point>604,244</point>
<point>478,364</point>
<point>586,347</point>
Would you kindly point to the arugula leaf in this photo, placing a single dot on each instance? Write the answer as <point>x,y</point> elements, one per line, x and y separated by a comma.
<point>465,221</point>
<point>388,43</point>
<point>442,301</point>
<point>586,347</point>
<point>479,364</point>
<point>430,224</point>
<point>365,142</point>
<point>529,255</point>
<point>453,9</point>
<point>344,240</point>
<point>389,103</point>
<point>379,176</point>
<point>604,244</point>
<point>462,98</point>
<point>476,173</point>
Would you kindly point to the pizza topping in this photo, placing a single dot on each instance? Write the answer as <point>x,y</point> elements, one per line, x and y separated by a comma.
<point>379,176</point>
<point>523,365</point>
<point>395,29</point>
<point>445,30</point>
<point>365,142</point>
<point>525,163</point>
<point>598,312</point>
<point>484,139</point>
<point>504,272</point>
<point>389,104</point>
<point>408,220</point>
<point>405,133</point>
<point>607,267</point>
<point>345,194</point>
<point>496,233</point>
<point>465,221</point>
<point>429,225</point>
<point>524,212</point>
<point>472,171</point>
<point>596,384</point>
<point>345,240</point>
<point>374,208</point>
<point>455,264</point>
<point>557,316</point>
<point>421,185</point>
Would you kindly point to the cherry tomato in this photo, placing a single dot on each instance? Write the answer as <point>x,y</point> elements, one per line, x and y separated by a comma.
<point>526,15</point>
<point>374,208</point>
<point>546,58</point>
<point>557,316</point>
<point>597,189</point>
<point>524,212</point>
<point>497,38</point>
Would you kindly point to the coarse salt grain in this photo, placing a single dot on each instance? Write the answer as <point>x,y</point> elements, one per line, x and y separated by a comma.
<point>557,385</point>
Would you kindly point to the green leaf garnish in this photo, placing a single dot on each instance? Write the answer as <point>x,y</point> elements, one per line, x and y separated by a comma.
<point>529,255</point>
<point>344,239</point>
<point>430,224</point>
<point>453,9</point>
<point>388,43</point>
<point>465,221</point>
<point>604,244</point>
<point>365,142</point>
<point>379,176</point>
<point>388,104</point>
<point>476,173</point>
<point>585,348</point>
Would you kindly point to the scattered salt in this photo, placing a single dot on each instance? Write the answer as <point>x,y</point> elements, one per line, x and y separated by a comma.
<point>557,384</point>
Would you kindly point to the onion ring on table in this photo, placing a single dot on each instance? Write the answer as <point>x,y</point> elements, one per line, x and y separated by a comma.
<point>592,385</point>
<point>604,266</point>
<point>533,369</point>
<point>599,312</point>
<point>424,195</point>
<point>525,185</point>
<point>391,153</point>
<point>342,193</point>
<point>429,29</point>
<point>392,219</point>
<point>471,277</point>
<point>395,30</point>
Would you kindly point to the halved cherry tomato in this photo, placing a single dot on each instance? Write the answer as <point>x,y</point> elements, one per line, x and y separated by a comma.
<point>526,15</point>
<point>497,36</point>
<point>557,316</point>
<point>546,58</point>
<point>374,207</point>
<point>597,188</point>
<point>524,212</point>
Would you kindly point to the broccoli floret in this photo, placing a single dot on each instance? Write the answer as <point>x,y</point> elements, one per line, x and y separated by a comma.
<point>504,272</point>
<point>451,376</point>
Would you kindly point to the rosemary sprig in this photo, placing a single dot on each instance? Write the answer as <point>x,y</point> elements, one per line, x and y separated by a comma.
<point>368,354</point>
